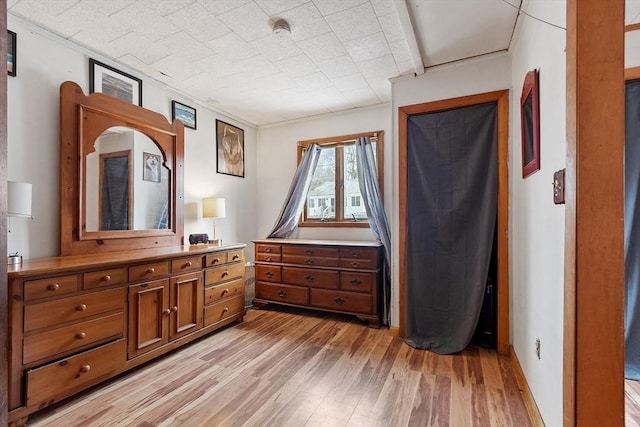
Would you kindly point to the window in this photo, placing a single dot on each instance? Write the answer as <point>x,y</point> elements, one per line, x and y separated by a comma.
<point>336,178</point>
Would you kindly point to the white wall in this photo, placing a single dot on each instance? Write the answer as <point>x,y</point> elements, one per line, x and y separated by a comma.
<point>44,61</point>
<point>632,49</point>
<point>537,225</point>
<point>277,151</point>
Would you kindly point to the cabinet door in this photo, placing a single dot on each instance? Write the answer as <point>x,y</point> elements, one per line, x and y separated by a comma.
<point>187,300</point>
<point>148,316</point>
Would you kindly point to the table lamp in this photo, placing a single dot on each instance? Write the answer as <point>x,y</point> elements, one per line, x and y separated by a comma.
<point>214,207</point>
<point>18,205</point>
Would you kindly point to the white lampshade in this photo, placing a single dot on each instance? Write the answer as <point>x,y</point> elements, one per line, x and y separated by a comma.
<point>213,207</point>
<point>19,199</point>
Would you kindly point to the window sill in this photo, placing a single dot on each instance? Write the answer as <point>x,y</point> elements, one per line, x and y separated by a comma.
<point>335,224</point>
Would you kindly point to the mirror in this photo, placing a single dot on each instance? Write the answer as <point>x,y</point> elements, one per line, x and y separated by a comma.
<point>127,185</point>
<point>121,181</point>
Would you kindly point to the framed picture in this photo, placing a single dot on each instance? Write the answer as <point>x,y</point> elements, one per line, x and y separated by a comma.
<point>230,147</point>
<point>116,83</point>
<point>12,54</point>
<point>150,167</point>
<point>184,113</point>
<point>530,124</point>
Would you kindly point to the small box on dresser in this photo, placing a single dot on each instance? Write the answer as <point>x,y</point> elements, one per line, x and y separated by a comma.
<point>331,275</point>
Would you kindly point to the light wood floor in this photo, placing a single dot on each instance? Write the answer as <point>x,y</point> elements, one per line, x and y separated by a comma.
<point>287,369</point>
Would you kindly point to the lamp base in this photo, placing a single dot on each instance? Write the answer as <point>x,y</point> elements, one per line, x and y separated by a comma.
<point>216,242</point>
<point>15,259</point>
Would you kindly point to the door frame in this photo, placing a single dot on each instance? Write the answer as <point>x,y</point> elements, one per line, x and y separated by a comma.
<point>501,97</point>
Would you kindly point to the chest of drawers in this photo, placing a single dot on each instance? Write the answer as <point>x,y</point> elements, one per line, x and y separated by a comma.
<point>338,276</point>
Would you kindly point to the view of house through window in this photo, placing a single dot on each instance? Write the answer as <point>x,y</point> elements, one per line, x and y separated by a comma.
<point>336,178</point>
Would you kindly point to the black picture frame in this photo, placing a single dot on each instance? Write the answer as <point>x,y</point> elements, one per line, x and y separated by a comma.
<point>184,113</point>
<point>12,53</point>
<point>229,149</point>
<point>530,123</point>
<point>108,80</point>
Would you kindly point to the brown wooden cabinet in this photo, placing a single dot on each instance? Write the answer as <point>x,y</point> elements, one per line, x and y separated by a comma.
<point>76,321</point>
<point>338,276</point>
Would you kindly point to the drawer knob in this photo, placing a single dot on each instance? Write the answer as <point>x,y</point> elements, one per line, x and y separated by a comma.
<point>166,311</point>
<point>224,291</point>
<point>309,278</point>
<point>269,274</point>
<point>85,368</point>
<point>81,307</point>
<point>151,270</point>
<point>282,294</point>
<point>355,254</point>
<point>224,310</point>
<point>106,278</point>
<point>225,273</point>
<point>355,282</point>
<point>308,261</point>
<point>188,264</point>
<point>215,260</point>
<point>81,336</point>
<point>355,264</point>
<point>235,257</point>
<point>53,287</point>
<point>174,309</point>
<point>309,251</point>
<point>267,250</point>
<point>340,300</point>
<point>269,258</point>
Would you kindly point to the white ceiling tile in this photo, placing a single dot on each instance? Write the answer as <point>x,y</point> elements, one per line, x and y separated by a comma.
<point>217,65</point>
<point>350,83</point>
<point>323,47</point>
<point>165,7</point>
<point>338,67</point>
<point>198,22</point>
<point>378,67</point>
<point>405,68</point>
<point>142,19</point>
<point>313,81</point>
<point>369,47</point>
<point>361,97</point>
<point>354,23</point>
<point>52,8</point>
<point>108,7</point>
<point>136,64</point>
<point>400,51</point>
<point>218,7</point>
<point>328,7</point>
<point>185,48</point>
<point>306,22</point>
<point>172,66</point>
<point>140,46</point>
<point>384,7</point>
<point>248,21</point>
<point>331,98</point>
<point>297,66</point>
<point>273,7</point>
<point>391,27</point>
<point>257,66</point>
<point>232,47</point>
<point>276,48</point>
<point>11,3</point>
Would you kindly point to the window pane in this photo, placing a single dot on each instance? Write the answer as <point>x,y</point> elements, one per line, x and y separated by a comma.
<point>353,205</point>
<point>322,191</point>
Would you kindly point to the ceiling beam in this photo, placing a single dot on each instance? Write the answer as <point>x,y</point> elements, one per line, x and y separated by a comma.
<point>409,35</point>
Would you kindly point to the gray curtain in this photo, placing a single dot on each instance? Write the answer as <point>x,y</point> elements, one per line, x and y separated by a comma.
<point>451,215</point>
<point>632,230</point>
<point>368,180</point>
<point>294,202</point>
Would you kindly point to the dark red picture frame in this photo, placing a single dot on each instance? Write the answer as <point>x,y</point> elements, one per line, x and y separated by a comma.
<point>530,123</point>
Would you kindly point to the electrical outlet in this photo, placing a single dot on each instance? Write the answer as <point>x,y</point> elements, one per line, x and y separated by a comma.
<point>538,348</point>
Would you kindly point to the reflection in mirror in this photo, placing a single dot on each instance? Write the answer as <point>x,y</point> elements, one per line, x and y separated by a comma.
<point>127,184</point>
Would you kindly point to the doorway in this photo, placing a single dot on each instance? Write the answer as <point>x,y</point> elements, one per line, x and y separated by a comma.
<point>501,98</point>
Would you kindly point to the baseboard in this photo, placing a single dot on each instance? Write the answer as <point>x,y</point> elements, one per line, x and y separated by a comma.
<point>529,401</point>
<point>394,331</point>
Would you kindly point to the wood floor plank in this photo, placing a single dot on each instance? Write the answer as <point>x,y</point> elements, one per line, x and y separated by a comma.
<point>296,368</point>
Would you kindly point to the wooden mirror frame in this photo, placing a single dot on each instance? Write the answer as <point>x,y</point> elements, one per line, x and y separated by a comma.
<point>82,119</point>
<point>530,90</point>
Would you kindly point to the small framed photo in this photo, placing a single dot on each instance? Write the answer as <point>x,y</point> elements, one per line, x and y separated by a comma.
<point>184,113</point>
<point>151,167</point>
<point>110,81</point>
<point>230,148</point>
<point>530,124</point>
<point>12,54</point>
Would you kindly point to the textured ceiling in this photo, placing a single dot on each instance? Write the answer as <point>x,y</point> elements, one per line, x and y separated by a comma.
<point>340,53</point>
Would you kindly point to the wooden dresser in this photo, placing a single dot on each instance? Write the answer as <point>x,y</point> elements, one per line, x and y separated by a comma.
<point>78,320</point>
<point>330,275</point>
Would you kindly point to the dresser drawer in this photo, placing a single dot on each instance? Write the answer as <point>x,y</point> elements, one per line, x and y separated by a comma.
<point>310,251</point>
<point>226,290</point>
<point>235,256</point>
<point>73,308</point>
<point>359,264</point>
<point>67,338</point>
<point>148,271</point>
<point>97,279</point>
<point>282,293</point>
<point>223,310</point>
<point>265,257</point>
<point>342,301</point>
<point>269,273</point>
<point>359,253</point>
<point>358,282</point>
<point>213,260</point>
<point>309,260</point>
<point>50,287</point>
<point>186,265</point>
<point>268,248</point>
<point>69,375</point>
<point>223,273</point>
<point>310,277</point>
